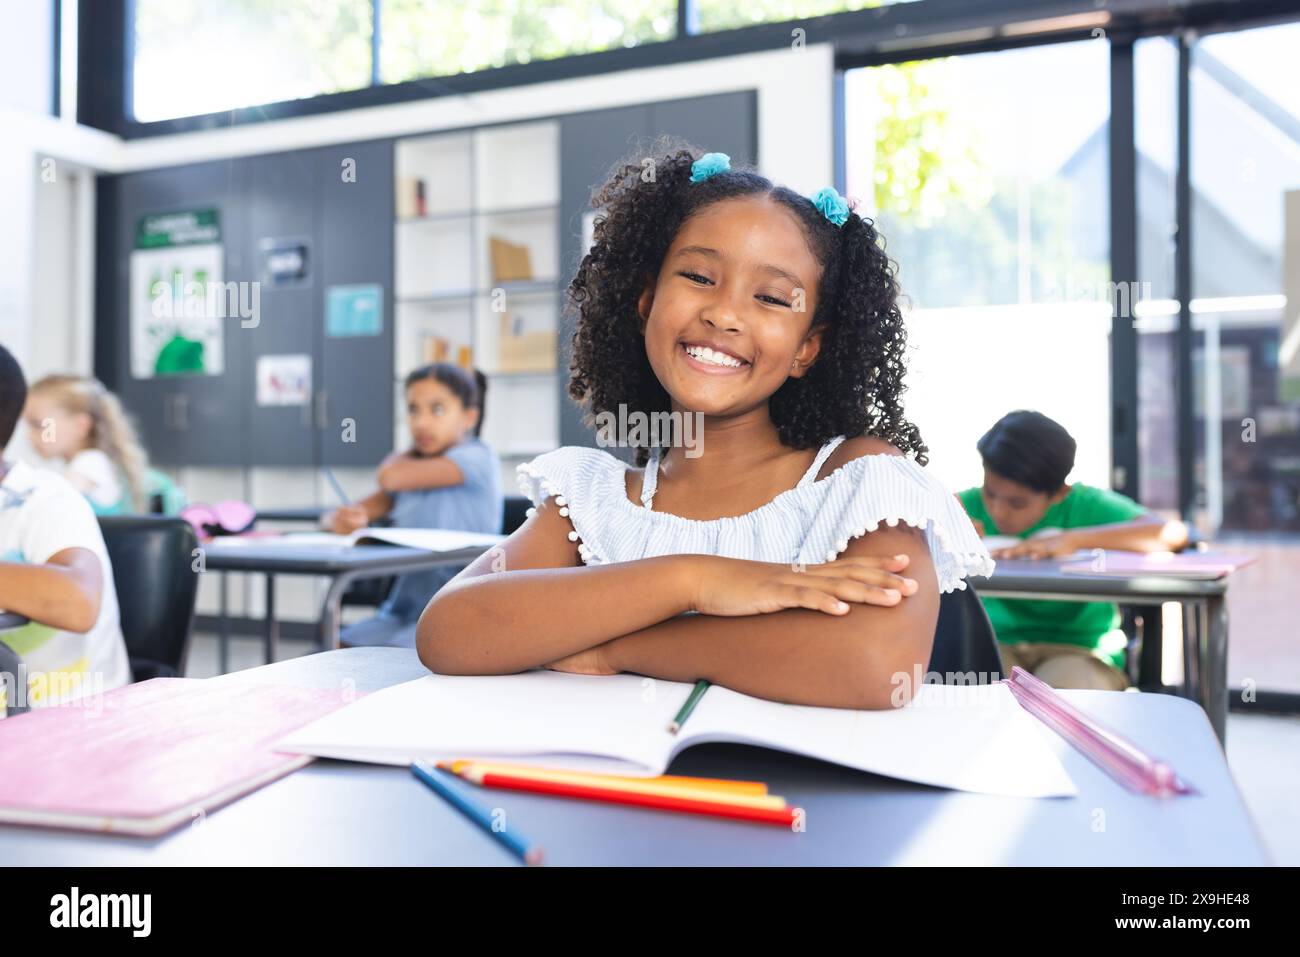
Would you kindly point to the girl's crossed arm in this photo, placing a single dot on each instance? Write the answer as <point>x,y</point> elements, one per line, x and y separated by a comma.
<point>530,600</point>
<point>404,472</point>
<point>871,657</point>
<point>825,635</point>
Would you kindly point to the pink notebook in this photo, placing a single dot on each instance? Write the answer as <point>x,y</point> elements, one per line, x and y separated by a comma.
<point>146,758</point>
<point>1197,565</point>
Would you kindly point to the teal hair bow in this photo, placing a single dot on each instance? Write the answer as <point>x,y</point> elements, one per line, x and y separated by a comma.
<point>710,164</point>
<point>831,205</point>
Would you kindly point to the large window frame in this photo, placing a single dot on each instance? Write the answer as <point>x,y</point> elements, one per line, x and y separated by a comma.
<point>889,33</point>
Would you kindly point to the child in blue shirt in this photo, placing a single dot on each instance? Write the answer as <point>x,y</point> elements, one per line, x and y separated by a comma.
<point>448,479</point>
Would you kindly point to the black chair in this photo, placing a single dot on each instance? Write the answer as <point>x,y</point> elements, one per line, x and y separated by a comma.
<point>964,641</point>
<point>516,508</point>
<point>153,569</point>
<point>11,665</point>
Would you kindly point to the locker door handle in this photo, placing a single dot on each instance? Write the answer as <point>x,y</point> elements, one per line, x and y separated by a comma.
<point>176,411</point>
<point>322,409</point>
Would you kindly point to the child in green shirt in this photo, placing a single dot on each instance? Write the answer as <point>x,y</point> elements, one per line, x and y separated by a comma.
<point>1027,457</point>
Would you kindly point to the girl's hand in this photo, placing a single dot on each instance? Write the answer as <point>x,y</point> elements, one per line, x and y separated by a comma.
<point>1049,546</point>
<point>592,661</point>
<point>733,587</point>
<point>346,520</point>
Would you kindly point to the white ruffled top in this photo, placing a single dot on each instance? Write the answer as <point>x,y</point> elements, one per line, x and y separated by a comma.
<point>809,524</point>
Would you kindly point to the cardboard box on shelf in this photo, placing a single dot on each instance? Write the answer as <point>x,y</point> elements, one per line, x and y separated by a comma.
<point>521,351</point>
<point>510,261</point>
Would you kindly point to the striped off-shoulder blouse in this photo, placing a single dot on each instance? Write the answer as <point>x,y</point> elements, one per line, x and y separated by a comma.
<point>809,524</point>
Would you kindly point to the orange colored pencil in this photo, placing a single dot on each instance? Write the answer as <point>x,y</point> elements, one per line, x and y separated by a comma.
<point>720,808</point>
<point>638,785</point>
<point>756,788</point>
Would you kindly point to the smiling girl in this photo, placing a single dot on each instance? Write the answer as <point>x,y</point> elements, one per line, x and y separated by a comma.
<point>801,554</point>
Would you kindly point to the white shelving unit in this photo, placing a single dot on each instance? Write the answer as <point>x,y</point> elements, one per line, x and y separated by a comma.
<point>496,182</point>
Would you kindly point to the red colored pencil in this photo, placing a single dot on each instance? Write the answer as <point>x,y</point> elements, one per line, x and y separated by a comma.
<point>784,817</point>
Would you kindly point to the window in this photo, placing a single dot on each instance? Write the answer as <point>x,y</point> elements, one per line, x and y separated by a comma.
<point>420,39</point>
<point>1155,127</point>
<point>988,177</point>
<point>713,15</point>
<point>1245,175</point>
<point>193,57</point>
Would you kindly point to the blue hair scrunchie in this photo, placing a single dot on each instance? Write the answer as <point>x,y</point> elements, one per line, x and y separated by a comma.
<point>831,205</point>
<point>710,164</point>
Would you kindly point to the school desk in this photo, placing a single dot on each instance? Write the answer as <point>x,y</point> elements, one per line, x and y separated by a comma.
<point>332,812</point>
<point>307,513</point>
<point>341,564</point>
<point>1205,617</point>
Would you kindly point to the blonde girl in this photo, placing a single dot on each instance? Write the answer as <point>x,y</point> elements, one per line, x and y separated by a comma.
<point>76,419</point>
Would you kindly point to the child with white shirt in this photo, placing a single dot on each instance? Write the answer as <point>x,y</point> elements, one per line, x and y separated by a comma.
<point>77,420</point>
<point>55,571</point>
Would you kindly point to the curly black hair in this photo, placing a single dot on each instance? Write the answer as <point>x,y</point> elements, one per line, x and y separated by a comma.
<point>855,385</point>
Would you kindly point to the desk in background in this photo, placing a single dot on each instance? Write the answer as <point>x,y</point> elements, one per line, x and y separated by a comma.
<point>309,513</point>
<point>333,813</point>
<point>1205,616</point>
<point>342,564</point>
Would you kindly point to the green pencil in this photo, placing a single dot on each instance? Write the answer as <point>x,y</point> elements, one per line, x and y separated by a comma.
<point>697,693</point>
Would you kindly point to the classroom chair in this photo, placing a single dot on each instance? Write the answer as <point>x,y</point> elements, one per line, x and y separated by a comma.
<point>963,639</point>
<point>515,515</point>
<point>9,664</point>
<point>153,560</point>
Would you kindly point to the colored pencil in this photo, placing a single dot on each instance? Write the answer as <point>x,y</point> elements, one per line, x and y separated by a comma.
<point>724,785</point>
<point>471,770</point>
<point>440,782</point>
<point>784,817</point>
<point>338,489</point>
<point>697,693</point>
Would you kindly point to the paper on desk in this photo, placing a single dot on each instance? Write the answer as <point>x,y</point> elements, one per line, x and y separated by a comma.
<point>995,542</point>
<point>973,738</point>
<point>429,539</point>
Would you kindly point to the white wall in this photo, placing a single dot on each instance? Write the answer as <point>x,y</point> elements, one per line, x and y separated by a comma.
<point>46,232</point>
<point>27,56</point>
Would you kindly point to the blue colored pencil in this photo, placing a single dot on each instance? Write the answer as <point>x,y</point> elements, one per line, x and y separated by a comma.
<point>440,782</point>
<point>338,489</point>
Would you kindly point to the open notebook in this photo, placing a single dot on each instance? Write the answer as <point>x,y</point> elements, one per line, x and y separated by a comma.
<point>1203,566</point>
<point>975,738</point>
<point>430,539</point>
<point>994,542</point>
